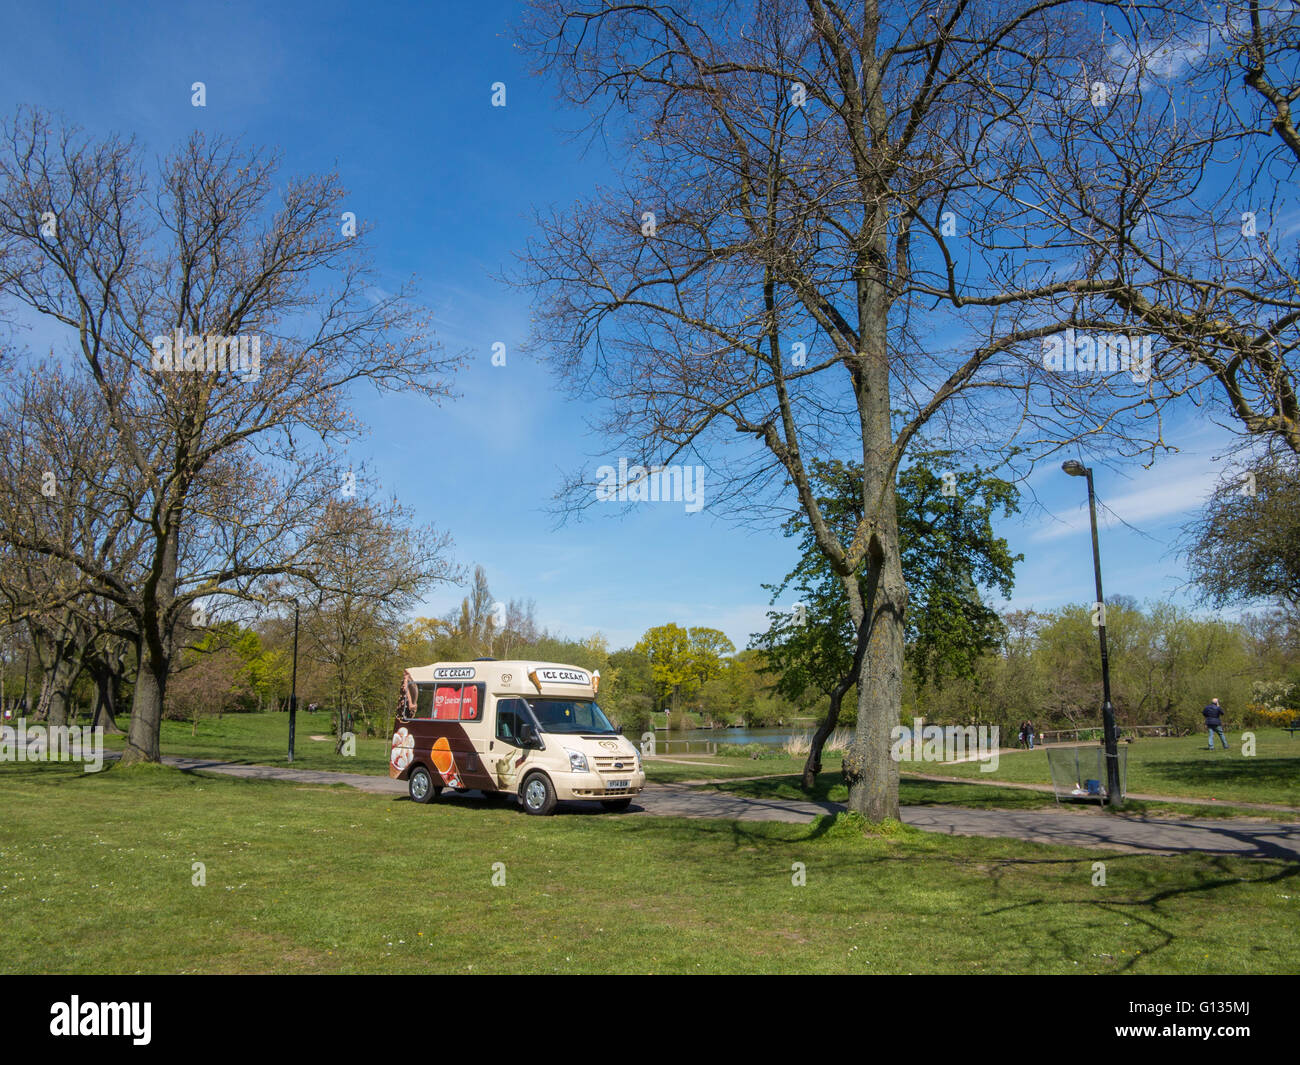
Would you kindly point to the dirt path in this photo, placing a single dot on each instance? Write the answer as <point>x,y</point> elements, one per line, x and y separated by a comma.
<point>1084,828</point>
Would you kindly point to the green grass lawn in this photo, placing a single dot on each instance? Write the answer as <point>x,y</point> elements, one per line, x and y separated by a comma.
<point>1176,767</point>
<point>263,739</point>
<point>96,876</point>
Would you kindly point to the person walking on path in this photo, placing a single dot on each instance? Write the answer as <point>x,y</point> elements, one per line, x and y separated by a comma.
<point>1029,733</point>
<point>1213,715</point>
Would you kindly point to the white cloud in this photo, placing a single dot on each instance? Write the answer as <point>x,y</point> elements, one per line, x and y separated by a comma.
<point>1177,486</point>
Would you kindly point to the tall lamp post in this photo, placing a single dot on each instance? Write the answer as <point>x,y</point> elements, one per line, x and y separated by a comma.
<point>293,684</point>
<point>1113,798</point>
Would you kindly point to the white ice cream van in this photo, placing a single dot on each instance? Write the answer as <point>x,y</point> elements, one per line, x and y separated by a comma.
<point>526,729</point>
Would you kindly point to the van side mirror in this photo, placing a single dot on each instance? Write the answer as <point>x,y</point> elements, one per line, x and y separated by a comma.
<point>528,735</point>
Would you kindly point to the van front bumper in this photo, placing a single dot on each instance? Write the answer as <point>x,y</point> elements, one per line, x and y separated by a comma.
<point>596,786</point>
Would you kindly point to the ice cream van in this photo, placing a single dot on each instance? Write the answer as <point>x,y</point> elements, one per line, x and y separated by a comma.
<point>531,730</point>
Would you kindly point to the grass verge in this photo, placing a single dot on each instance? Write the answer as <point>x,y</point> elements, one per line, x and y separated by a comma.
<point>97,874</point>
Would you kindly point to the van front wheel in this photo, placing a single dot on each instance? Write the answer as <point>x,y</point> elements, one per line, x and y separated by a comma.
<point>420,785</point>
<point>538,795</point>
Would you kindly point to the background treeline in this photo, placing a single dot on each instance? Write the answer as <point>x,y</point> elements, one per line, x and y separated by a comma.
<point>68,654</point>
<point>1166,663</point>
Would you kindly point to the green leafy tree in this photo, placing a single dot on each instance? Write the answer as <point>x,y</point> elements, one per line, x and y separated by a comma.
<point>668,649</point>
<point>741,692</point>
<point>1165,664</point>
<point>1245,545</point>
<point>709,650</point>
<point>949,551</point>
<point>628,694</point>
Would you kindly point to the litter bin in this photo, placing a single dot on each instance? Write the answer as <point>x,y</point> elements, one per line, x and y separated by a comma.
<point>1080,772</point>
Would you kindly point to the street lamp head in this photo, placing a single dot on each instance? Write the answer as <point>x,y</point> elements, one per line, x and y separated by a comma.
<point>1074,468</point>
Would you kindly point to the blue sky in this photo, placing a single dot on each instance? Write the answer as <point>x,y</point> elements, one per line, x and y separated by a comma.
<point>397,98</point>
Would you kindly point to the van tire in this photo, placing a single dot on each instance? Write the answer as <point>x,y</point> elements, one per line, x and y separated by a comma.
<point>615,806</point>
<point>420,785</point>
<point>537,794</point>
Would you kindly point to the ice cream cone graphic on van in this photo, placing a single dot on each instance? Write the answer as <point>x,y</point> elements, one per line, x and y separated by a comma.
<point>403,749</point>
<point>445,762</point>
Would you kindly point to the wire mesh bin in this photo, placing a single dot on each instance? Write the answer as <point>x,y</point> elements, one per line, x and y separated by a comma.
<point>1080,772</point>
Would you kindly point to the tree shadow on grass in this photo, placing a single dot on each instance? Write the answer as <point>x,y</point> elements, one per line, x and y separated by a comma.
<point>959,792</point>
<point>1139,897</point>
<point>1227,769</point>
<point>1147,909</point>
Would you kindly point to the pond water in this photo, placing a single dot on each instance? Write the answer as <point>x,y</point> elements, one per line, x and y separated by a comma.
<point>705,741</point>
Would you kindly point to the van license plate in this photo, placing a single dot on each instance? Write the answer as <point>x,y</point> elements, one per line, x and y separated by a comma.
<point>618,784</point>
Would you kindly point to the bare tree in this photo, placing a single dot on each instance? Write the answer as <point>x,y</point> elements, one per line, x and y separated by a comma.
<point>62,497</point>
<point>224,334</point>
<point>369,567</point>
<point>1179,183</point>
<point>813,252</point>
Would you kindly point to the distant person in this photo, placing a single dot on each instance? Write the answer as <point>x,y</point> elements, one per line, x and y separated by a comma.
<point>1213,715</point>
<point>1020,738</point>
<point>1029,733</point>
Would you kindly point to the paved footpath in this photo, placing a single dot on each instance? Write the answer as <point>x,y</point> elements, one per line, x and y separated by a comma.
<point>1083,828</point>
<point>1047,789</point>
<point>1092,828</point>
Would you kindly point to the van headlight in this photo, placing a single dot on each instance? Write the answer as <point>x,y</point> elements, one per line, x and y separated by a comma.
<point>577,761</point>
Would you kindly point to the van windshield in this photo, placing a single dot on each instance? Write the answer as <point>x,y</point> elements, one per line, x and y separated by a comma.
<point>567,715</point>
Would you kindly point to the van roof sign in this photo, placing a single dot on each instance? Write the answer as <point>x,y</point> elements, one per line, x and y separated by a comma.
<point>552,675</point>
<point>516,676</point>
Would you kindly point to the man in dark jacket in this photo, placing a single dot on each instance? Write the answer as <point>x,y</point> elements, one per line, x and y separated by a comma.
<point>1213,715</point>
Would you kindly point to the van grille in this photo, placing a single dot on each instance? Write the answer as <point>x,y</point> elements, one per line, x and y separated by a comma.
<point>605,763</point>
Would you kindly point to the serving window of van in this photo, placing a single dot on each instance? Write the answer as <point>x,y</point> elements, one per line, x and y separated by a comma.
<point>446,702</point>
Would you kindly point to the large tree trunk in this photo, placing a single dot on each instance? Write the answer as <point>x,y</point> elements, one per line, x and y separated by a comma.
<point>46,660</point>
<point>56,689</point>
<point>155,654</point>
<point>60,652</point>
<point>56,710</point>
<point>146,712</point>
<point>43,699</point>
<point>869,769</point>
<point>62,706</point>
<point>872,775</point>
